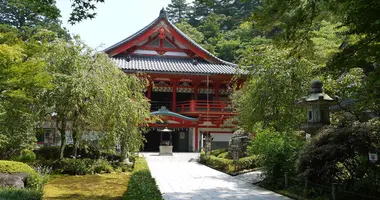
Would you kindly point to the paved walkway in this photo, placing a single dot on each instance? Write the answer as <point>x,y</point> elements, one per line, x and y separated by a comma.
<point>181,177</point>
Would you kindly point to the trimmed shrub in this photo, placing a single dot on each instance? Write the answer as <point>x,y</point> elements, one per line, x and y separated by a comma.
<point>217,152</point>
<point>34,180</point>
<point>20,194</point>
<point>141,184</point>
<point>223,155</point>
<point>246,163</point>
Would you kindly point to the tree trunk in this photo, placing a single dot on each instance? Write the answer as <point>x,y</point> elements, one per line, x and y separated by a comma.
<point>123,151</point>
<point>62,130</point>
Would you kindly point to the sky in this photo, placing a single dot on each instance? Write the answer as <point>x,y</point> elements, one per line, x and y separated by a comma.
<point>115,20</point>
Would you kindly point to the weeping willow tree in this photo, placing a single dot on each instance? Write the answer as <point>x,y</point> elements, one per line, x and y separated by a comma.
<point>93,94</point>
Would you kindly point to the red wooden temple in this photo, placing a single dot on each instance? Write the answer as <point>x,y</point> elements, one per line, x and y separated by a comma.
<point>189,87</point>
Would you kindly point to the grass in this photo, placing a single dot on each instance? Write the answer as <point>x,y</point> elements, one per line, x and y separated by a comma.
<point>99,186</point>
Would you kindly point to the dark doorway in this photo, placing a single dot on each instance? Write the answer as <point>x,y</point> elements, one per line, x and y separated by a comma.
<point>152,141</point>
<point>180,140</point>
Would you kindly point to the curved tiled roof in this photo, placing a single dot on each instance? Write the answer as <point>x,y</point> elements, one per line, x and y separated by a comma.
<point>153,23</point>
<point>173,65</point>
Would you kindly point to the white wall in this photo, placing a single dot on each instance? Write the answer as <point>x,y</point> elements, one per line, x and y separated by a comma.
<point>221,137</point>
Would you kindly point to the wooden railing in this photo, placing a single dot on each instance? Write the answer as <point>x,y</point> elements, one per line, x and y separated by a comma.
<point>203,106</point>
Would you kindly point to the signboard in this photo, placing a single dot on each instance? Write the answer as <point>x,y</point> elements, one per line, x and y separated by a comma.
<point>372,157</point>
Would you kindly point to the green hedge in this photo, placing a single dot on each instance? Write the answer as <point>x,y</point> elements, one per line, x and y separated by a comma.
<point>141,184</point>
<point>34,180</point>
<point>227,165</point>
<point>20,194</point>
<point>217,152</point>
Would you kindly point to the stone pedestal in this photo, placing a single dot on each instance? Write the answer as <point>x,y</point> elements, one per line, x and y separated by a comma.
<point>166,150</point>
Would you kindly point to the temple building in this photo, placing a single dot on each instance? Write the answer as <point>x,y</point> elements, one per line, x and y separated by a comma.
<point>189,87</point>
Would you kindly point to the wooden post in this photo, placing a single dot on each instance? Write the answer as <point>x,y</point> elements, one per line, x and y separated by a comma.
<point>149,93</point>
<point>334,191</point>
<point>216,91</point>
<point>196,138</point>
<point>196,89</point>
<point>286,179</point>
<point>174,99</point>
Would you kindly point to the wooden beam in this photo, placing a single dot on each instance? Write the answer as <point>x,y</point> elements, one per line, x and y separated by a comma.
<point>196,138</point>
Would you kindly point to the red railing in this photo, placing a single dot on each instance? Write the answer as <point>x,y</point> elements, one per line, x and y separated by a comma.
<point>203,106</point>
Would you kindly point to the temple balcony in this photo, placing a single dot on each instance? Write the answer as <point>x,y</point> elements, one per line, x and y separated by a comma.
<point>204,107</point>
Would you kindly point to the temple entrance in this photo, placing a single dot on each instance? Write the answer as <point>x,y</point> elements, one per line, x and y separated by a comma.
<point>180,140</point>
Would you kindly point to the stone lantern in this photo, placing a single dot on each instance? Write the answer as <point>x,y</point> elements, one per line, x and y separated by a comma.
<point>317,104</point>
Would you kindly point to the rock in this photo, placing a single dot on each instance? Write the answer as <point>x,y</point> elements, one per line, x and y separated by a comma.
<point>13,180</point>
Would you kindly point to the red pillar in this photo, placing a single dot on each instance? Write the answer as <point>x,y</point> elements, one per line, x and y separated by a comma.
<point>196,90</point>
<point>174,99</point>
<point>216,91</point>
<point>196,138</point>
<point>149,94</point>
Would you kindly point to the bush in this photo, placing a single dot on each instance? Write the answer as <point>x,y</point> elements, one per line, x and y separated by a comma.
<point>100,166</point>
<point>48,153</point>
<point>340,155</point>
<point>141,183</point>
<point>26,157</point>
<point>217,152</point>
<point>227,165</point>
<point>20,194</point>
<point>223,155</point>
<point>276,151</point>
<point>34,180</point>
<point>74,166</point>
<point>246,163</point>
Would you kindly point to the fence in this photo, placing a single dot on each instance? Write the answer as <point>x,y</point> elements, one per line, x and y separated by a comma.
<point>333,191</point>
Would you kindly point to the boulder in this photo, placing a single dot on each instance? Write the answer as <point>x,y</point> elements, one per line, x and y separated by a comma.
<point>16,180</point>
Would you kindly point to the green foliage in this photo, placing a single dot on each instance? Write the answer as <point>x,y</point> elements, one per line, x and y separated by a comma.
<point>217,152</point>
<point>177,11</point>
<point>273,84</point>
<point>223,155</point>
<point>276,151</point>
<point>190,31</point>
<point>26,156</point>
<point>20,194</point>
<point>34,180</point>
<point>73,166</point>
<point>101,165</point>
<point>141,183</point>
<point>340,154</point>
<point>226,165</point>
<point>247,163</point>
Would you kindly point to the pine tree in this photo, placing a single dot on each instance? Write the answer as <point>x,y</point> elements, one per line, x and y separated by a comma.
<point>177,11</point>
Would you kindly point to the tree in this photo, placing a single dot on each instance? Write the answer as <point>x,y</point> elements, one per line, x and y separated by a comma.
<point>92,94</point>
<point>30,16</point>
<point>190,31</point>
<point>177,11</point>
<point>339,154</point>
<point>23,78</point>
<point>297,19</point>
<point>274,82</point>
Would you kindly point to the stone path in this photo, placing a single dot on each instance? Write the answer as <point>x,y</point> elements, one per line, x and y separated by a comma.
<point>181,177</point>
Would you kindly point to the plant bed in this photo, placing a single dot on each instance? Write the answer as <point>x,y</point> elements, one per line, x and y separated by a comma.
<point>142,185</point>
<point>243,165</point>
<point>99,186</point>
